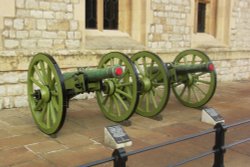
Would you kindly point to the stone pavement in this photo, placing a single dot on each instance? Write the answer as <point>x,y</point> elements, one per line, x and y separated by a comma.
<point>81,139</point>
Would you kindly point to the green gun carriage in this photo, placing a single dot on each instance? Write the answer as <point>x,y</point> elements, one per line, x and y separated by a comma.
<point>191,76</point>
<point>49,91</point>
<point>122,85</point>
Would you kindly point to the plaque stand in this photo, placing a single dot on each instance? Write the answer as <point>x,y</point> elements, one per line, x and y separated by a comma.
<point>211,116</point>
<point>115,137</point>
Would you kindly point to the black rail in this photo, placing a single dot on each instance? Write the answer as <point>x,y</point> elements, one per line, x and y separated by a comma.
<point>120,156</point>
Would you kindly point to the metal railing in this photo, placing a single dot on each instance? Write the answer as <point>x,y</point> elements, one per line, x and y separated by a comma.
<point>120,156</point>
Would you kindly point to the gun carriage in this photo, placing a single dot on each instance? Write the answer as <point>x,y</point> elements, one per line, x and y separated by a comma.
<point>49,91</point>
<point>191,76</point>
<point>123,86</point>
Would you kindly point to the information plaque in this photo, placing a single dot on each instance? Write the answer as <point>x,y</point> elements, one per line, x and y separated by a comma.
<point>211,116</point>
<point>116,137</point>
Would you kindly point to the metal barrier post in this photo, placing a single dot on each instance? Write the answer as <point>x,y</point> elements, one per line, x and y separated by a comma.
<point>120,157</point>
<point>219,143</point>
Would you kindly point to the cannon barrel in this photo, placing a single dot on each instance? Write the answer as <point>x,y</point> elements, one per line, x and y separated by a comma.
<point>94,75</point>
<point>185,69</point>
<point>193,68</point>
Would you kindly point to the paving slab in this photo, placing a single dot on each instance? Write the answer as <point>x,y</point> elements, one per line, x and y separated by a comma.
<point>81,140</point>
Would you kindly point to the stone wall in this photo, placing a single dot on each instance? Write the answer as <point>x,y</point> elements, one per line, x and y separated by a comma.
<point>240,29</point>
<point>170,29</point>
<point>42,24</point>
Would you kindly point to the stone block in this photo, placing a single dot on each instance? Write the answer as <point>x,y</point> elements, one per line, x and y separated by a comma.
<point>8,22</point>
<point>8,102</point>
<point>19,24</point>
<point>12,34</point>
<point>49,34</point>
<point>241,76</point>
<point>30,24</point>
<point>49,15</point>
<point>187,30</point>
<point>168,45</point>
<point>28,43</point>
<point>150,37</point>
<point>181,44</point>
<point>36,13</point>
<point>59,44</point>
<point>31,4</point>
<point>223,71</point>
<point>41,24</point>
<point>45,43</point>
<point>241,62</point>
<point>5,33</point>
<point>2,90</point>
<point>69,8</point>
<point>159,28</point>
<point>62,34</point>
<point>22,13</point>
<point>22,77</point>
<point>60,15</point>
<point>243,68</point>
<point>74,1</point>
<point>15,90</point>
<point>162,45</point>
<point>73,25</point>
<point>20,3</point>
<point>8,53</point>
<point>56,25</point>
<point>22,34</point>
<point>35,34</point>
<point>225,64</point>
<point>183,15</point>
<point>44,5</point>
<point>154,45</point>
<point>69,16</point>
<point>21,101</point>
<point>58,6</point>
<point>11,44</point>
<point>72,44</point>
<point>78,35</point>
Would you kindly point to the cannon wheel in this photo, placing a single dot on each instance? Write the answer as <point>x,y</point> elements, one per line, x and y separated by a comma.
<point>155,85</point>
<point>46,93</point>
<point>119,103</point>
<point>194,89</point>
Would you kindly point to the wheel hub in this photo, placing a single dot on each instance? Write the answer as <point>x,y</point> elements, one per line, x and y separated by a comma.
<point>146,84</point>
<point>109,87</point>
<point>37,95</point>
<point>190,80</point>
<point>43,94</point>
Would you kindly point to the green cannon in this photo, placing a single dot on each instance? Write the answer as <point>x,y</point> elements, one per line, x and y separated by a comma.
<point>122,85</point>
<point>115,82</point>
<point>191,76</point>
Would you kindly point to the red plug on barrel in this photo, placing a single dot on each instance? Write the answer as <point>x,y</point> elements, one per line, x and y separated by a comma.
<point>211,67</point>
<point>118,71</point>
